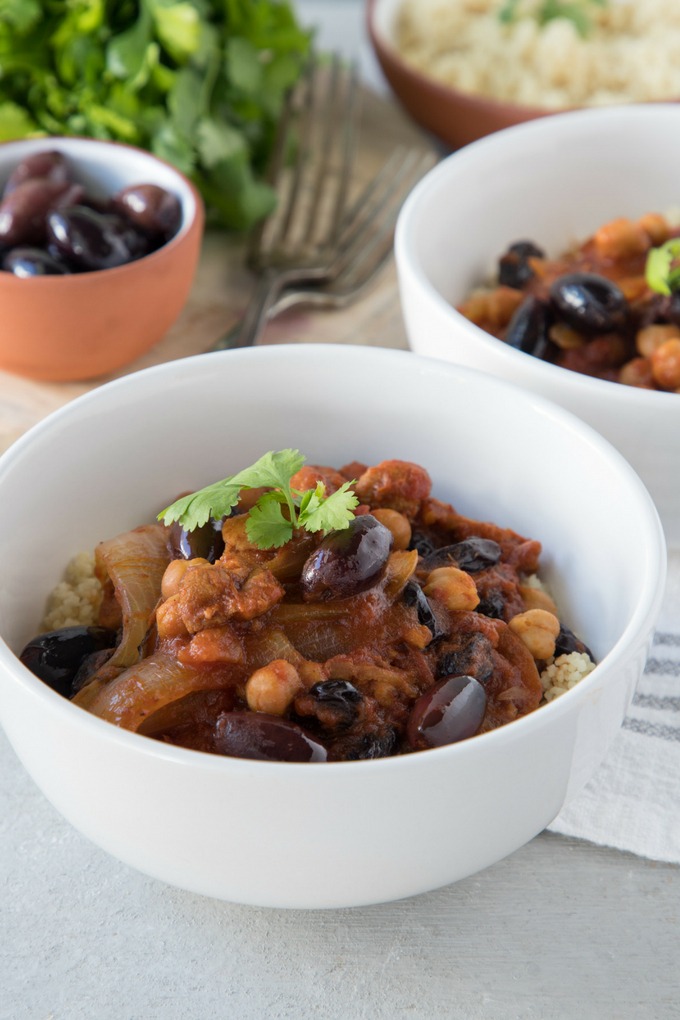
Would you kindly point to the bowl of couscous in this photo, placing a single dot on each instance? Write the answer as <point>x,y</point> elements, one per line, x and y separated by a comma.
<point>466,68</point>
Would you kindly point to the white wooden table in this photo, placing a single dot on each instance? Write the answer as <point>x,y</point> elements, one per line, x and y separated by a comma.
<point>559,930</point>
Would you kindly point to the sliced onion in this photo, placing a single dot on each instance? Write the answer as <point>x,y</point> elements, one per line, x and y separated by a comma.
<point>131,698</point>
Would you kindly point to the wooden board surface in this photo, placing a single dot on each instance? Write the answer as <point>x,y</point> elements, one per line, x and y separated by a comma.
<point>221,290</point>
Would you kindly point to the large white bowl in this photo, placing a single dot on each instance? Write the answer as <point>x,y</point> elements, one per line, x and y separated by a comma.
<point>347,833</point>
<point>552,181</point>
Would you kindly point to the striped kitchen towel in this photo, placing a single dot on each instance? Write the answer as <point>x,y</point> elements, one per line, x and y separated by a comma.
<point>633,801</point>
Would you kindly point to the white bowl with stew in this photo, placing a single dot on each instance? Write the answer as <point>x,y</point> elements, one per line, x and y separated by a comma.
<point>554,182</point>
<point>312,835</point>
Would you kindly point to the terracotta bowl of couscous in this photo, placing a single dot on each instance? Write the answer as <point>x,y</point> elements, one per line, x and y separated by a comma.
<point>462,70</point>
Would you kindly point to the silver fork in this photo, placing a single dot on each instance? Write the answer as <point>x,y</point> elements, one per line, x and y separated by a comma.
<point>363,248</point>
<point>299,240</point>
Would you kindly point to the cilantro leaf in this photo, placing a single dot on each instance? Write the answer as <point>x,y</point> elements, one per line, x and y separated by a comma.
<point>662,269</point>
<point>266,526</point>
<point>333,513</point>
<point>278,511</point>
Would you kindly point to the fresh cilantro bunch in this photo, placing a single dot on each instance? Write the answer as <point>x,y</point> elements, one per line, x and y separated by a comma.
<point>278,512</point>
<point>577,11</point>
<point>198,82</point>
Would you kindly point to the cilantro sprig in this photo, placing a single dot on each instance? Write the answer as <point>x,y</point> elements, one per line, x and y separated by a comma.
<point>579,12</point>
<point>662,269</point>
<point>278,512</point>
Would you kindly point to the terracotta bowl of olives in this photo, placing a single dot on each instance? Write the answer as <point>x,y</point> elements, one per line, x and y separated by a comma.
<point>99,243</point>
<point>551,184</point>
<point>312,833</point>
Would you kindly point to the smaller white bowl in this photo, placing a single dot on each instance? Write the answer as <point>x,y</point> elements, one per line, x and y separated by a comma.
<point>553,181</point>
<point>351,832</point>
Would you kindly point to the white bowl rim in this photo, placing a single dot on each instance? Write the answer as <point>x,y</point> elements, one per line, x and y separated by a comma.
<point>485,150</point>
<point>650,593</point>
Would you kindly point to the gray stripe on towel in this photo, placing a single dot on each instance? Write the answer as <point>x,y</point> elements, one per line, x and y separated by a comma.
<point>647,729</point>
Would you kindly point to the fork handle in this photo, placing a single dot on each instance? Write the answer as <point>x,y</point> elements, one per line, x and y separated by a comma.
<point>248,330</point>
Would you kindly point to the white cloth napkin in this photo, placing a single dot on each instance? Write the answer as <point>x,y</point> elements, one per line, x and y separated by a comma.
<point>633,801</point>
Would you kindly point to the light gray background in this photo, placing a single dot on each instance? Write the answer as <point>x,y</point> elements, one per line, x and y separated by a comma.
<point>559,930</point>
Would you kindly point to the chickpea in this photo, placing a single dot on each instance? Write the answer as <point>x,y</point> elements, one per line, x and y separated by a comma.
<point>273,687</point>
<point>169,622</point>
<point>638,372</point>
<point>621,238</point>
<point>666,364</point>
<point>215,644</point>
<point>397,523</point>
<point>537,598</point>
<point>502,303</point>
<point>454,587</point>
<point>650,337</point>
<point>565,338</point>
<point>656,227</point>
<point>174,575</point>
<point>538,629</point>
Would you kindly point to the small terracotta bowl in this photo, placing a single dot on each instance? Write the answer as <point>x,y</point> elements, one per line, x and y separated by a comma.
<point>84,325</point>
<point>455,118</point>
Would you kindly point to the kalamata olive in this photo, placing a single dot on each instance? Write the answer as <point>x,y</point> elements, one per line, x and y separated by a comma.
<point>29,262</point>
<point>451,710</point>
<point>589,303</point>
<point>206,541</point>
<point>264,737</point>
<point>378,744</point>
<point>56,656</point>
<point>413,595</point>
<point>347,562</point>
<point>472,554</point>
<point>23,213</point>
<point>514,269</point>
<point>528,328</point>
<point>423,544</point>
<point>94,241</point>
<point>335,703</point>
<point>492,605</point>
<point>49,165</point>
<point>152,209</point>
<point>567,642</point>
<point>473,657</point>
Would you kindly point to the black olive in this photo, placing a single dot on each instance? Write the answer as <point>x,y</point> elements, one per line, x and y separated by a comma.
<point>450,711</point>
<point>264,737</point>
<point>474,657</point>
<point>413,595</point>
<point>28,262</point>
<point>336,703</point>
<point>589,303</point>
<point>94,241</point>
<point>347,562</point>
<point>472,554</point>
<point>206,541</point>
<point>492,605</point>
<point>528,328</point>
<point>422,543</point>
<point>379,744</point>
<point>514,269</point>
<point>567,642</point>
<point>57,656</point>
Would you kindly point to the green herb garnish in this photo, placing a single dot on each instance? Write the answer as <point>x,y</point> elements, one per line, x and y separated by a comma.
<point>278,512</point>
<point>543,11</point>
<point>200,83</point>
<point>662,269</point>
